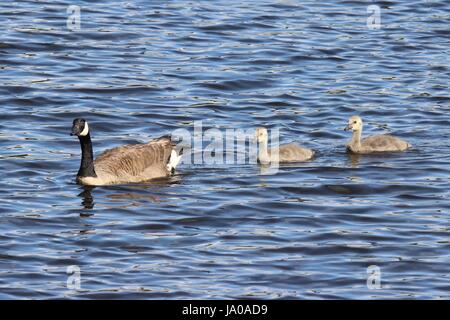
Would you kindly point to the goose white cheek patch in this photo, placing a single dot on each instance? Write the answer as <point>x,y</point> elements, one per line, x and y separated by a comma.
<point>85,130</point>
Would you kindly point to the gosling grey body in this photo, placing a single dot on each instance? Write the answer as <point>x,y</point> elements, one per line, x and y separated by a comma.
<point>372,144</point>
<point>124,164</point>
<point>290,152</point>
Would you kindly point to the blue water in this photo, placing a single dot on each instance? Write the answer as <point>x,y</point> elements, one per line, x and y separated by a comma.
<point>141,69</point>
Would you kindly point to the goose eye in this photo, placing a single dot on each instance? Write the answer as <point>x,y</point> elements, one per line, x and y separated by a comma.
<point>354,121</point>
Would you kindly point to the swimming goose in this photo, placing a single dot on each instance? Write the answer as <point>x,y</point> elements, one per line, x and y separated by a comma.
<point>124,164</point>
<point>378,143</point>
<point>290,152</point>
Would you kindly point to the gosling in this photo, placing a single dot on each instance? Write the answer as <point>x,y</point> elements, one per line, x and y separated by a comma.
<point>290,152</point>
<point>372,144</point>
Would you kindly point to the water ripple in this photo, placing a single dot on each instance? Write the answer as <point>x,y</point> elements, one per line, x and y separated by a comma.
<point>142,69</point>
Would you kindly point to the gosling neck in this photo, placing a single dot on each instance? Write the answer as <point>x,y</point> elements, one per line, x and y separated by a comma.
<point>356,140</point>
<point>87,157</point>
<point>263,154</point>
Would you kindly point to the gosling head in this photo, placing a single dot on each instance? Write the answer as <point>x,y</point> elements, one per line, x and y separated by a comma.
<point>354,124</point>
<point>261,134</point>
<point>80,128</point>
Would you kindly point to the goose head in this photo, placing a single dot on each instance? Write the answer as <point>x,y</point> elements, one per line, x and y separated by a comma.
<point>261,134</point>
<point>80,128</point>
<point>354,124</point>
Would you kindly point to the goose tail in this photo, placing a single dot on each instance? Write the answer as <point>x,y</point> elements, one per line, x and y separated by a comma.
<point>174,159</point>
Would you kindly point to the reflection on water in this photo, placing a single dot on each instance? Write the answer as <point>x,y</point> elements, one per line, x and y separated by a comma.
<point>307,230</point>
<point>268,169</point>
<point>354,159</point>
<point>88,200</point>
<point>132,195</point>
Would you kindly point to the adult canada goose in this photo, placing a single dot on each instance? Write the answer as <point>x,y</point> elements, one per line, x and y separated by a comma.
<point>290,152</point>
<point>378,143</point>
<point>124,164</point>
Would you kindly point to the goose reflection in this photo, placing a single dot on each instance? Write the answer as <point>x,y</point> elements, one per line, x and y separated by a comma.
<point>128,196</point>
<point>268,169</point>
<point>87,199</point>
<point>354,159</point>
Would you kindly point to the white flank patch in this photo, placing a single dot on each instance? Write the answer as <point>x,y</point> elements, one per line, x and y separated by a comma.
<point>174,160</point>
<point>85,130</point>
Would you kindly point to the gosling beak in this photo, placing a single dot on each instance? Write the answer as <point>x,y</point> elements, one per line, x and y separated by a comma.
<point>347,128</point>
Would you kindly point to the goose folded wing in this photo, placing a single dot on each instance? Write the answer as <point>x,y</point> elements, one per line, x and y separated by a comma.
<point>135,159</point>
<point>380,141</point>
<point>293,152</point>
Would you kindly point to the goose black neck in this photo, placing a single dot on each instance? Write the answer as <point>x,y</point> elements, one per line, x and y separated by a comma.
<point>87,157</point>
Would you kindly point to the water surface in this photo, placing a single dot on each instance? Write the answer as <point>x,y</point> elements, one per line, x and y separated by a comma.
<point>141,69</point>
